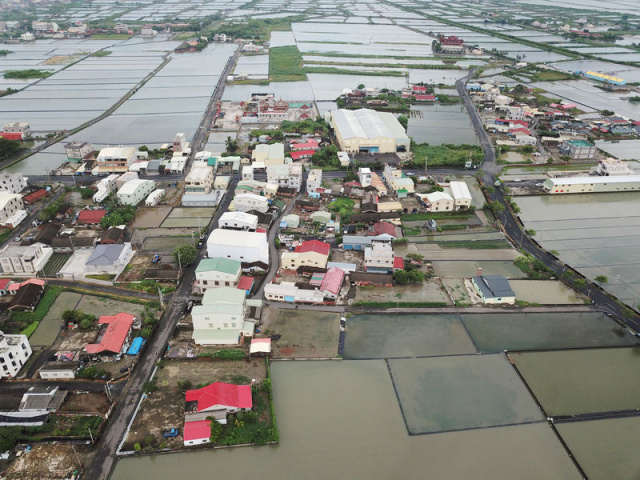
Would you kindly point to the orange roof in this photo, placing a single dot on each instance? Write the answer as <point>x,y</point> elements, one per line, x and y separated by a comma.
<point>116,334</point>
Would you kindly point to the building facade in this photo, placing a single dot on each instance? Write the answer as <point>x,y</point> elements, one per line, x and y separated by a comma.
<point>135,191</point>
<point>216,273</point>
<point>250,201</point>
<point>116,159</point>
<point>12,182</point>
<point>25,260</point>
<point>14,353</point>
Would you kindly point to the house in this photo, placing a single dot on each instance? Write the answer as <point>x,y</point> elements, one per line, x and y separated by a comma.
<point>196,433</point>
<point>613,167</point>
<point>147,31</point>
<point>77,151</point>
<point>332,282</point>
<point>10,203</point>
<point>33,197</point>
<point>451,44</point>
<point>245,247</point>
<point>216,272</point>
<point>321,217</point>
<point>14,353</point>
<point>398,181</point>
<point>115,159</point>
<point>42,399</point>
<point>285,175</point>
<point>12,182</point>
<point>113,338</point>
<point>247,173</point>
<point>388,207</point>
<point>90,217</point>
<point>218,397</point>
<point>112,236</point>
<point>154,198</point>
<point>4,286</point>
<point>461,195</point>
<point>438,202</point>
<point>368,131</point>
<point>26,298</point>
<point>355,242</point>
<point>121,180</point>
<point>493,289</point>
<point>59,370</point>
<point>272,154</point>
<point>379,257</point>
<point>19,260</point>
<point>105,187</point>
<point>377,184</point>
<point>238,221</point>
<point>135,191</point>
<point>310,253</point>
<point>199,180</point>
<point>364,175</point>
<point>291,293</point>
<point>314,181</point>
<point>220,318</point>
<point>109,259</point>
<point>246,202</point>
<point>384,228</point>
<point>16,131</point>
<point>260,346</point>
<point>578,149</point>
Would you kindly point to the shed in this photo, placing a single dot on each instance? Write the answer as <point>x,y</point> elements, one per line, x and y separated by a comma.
<point>197,433</point>
<point>136,346</point>
<point>260,346</point>
<point>494,289</point>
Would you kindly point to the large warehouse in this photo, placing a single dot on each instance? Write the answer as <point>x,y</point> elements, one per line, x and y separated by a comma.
<point>627,183</point>
<point>368,131</point>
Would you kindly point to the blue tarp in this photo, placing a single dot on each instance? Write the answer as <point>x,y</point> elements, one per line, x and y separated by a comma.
<point>136,345</point>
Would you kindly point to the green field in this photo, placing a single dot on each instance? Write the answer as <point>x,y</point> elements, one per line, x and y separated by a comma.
<point>461,392</point>
<point>285,65</point>
<point>49,327</point>
<point>445,155</point>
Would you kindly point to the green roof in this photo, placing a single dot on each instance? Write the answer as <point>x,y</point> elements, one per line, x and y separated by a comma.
<point>279,204</point>
<point>224,295</point>
<point>224,265</point>
<point>580,143</point>
<point>244,187</point>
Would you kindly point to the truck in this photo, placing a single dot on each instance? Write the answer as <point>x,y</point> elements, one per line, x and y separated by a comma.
<point>172,432</point>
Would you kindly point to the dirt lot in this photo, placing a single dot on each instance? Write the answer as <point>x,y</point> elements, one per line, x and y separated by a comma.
<point>305,334</point>
<point>429,291</point>
<point>74,340</point>
<point>47,461</point>
<point>87,402</point>
<point>164,408</point>
<point>135,270</point>
<point>150,217</point>
<point>105,306</point>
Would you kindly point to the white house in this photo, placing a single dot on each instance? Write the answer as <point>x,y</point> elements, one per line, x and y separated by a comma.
<point>364,175</point>
<point>12,182</point>
<point>220,318</point>
<point>288,292</point>
<point>238,221</point>
<point>58,370</point>
<point>269,154</point>
<point>246,247</point>
<point>215,273</point>
<point>247,173</point>
<point>10,203</point>
<point>105,187</point>
<point>109,259</point>
<point>154,197</point>
<point>438,202</point>
<point>20,260</point>
<point>14,353</point>
<point>78,150</point>
<point>379,257</point>
<point>116,159</point>
<point>494,289</point>
<point>461,195</point>
<point>135,191</point>
<point>295,176</point>
<point>199,179</point>
<point>250,201</point>
<point>314,181</point>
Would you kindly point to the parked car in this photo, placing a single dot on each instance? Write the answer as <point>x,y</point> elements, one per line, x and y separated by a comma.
<point>156,258</point>
<point>173,432</point>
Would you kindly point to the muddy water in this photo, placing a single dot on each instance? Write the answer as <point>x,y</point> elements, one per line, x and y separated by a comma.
<point>341,420</point>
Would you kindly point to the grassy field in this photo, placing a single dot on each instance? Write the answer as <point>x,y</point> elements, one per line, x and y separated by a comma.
<point>447,155</point>
<point>285,65</point>
<point>364,73</point>
<point>342,206</point>
<point>111,36</point>
<point>49,327</point>
<point>55,263</point>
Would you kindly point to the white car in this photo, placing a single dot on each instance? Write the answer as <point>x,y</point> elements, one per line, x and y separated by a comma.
<point>517,180</point>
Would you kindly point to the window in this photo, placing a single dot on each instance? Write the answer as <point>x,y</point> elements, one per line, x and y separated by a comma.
<point>211,325</point>
<point>204,282</point>
<point>226,325</point>
<point>233,325</point>
<point>217,283</point>
<point>10,355</point>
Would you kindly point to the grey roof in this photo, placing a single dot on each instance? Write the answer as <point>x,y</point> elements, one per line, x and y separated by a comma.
<point>105,254</point>
<point>364,123</point>
<point>494,286</point>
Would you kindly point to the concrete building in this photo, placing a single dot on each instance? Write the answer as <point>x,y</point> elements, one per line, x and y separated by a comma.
<point>220,318</point>
<point>364,175</point>
<point>368,131</point>
<point>14,353</point>
<point>12,182</point>
<point>199,180</point>
<point>461,195</point>
<point>578,149</point>
<point>359,242</point>
<point>250,201</point>
<point>398,181</point>
<point>438,202</point>
<point>215,273</point>
<point>21,260</point>
<point>592,184</point>
<point>154,197</point>
<point>287,175</point>
<point>290,293</point>
<point>147,31</point>
<point>44,27</point>
<point>76,151</point>
<point>312,253</point>
<point>379,257</point>
<point>314,181</point>
<point>247,173</point>
<point>451,44</point>
<point>612,167</point>
<point>272,154</point>
<point>494,289</point>
<point>179,143</point>
<point>115,159</point>
<point>135,191</point>
<point>109,259</point>
<point>16,131</point>
<point>514,113</point>
<point>124,178</point>
<point>238,221</point>
<point>245,247</point>
<point>105,187</point>
<point>59,370</point>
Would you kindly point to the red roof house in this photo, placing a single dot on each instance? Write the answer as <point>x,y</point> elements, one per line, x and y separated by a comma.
<point>418,88</point>
<point>197,433</point>
<point>14,287</point>
<point>398,263</point>
<point>91,217</point>
<point>332,282</point>
<point>32,197</point>
<point>118,328</point>
<point>4,283</point>
<point>221,396</point>
<point>246,284</point>
<point>302,154</point>
<point>385,227</point>
<point>297,145</point>
<point>317,246</point>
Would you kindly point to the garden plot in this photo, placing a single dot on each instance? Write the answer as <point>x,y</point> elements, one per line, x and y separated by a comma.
<point>305,334</point>
<point>49,327</point>
<point>394,336</point>
<point>460,393</point>
<point>544,331</point>
<point>577,382</point>
<point>606,448</point>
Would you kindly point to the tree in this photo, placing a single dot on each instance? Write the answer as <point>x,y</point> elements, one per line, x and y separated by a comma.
<point>404,121</point>
<point>361,86</point>
<point>600,279</point>
<point>9,148</point>
<point>579,282</point>
<point>531,232</point>
<point>185,254</point>
<point>216,430</point>
<point>8,438</point>
<point>231,145</point>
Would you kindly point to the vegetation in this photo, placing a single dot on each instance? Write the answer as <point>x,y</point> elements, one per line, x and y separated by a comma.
<point>342,205</point>
<point>185,254</point>
<point>26,74</point>
<point>475,244</point>
<point>601,279</point>
<point>121,215</point>
<point>256,29</point>
<point>444,155</point>
<point>86,321</point>
<point>102,53</point>
<point>92,372</point>
<point>326,157</point>
<point>20,321</point>
<point>231,145</point>
<point>533,267</point>
<point>226,354</point>
<point>285,64</point>
<point>437,215</point>
<point>10,148</point>
<point>404,121</point>
<point>307,126</point>
<point>4,53</point>
<point>110,36</point>
<point>405,277</point>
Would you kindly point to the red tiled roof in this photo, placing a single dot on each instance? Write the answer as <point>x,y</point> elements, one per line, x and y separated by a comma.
<point>91,216</point>
<point>520,130</point>
<point>117,331</point>
<point>314,246</point>
<point>309,144</point>
<point>11,135</point>
<point>245,283</point>
<point>302,153</point>
<point>32,197</point>
<point>332,280</point>
<point>196,430</point>
<point>4,283</point>
<point>385,227</point>
<point>16,286</point>
<point>260,230</point>
<point>418,88</point>
<point>398,262</point>
<point>223,394</point>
